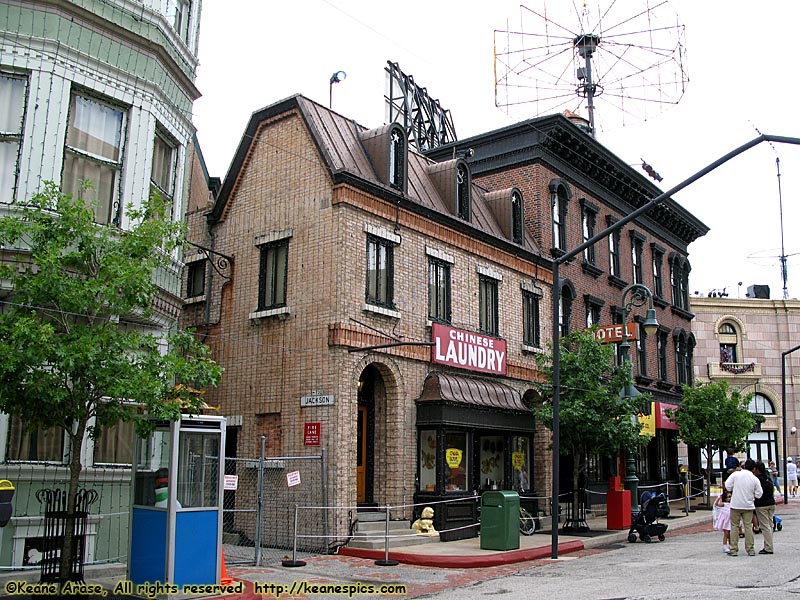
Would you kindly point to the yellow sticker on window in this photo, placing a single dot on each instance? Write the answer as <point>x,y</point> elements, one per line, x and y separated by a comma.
<point>453,457</point>
<point>518,460</point>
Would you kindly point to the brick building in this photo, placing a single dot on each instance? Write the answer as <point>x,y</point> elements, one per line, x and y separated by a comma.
<point>741,341</point>
<point>574,188</point>
<point>347,255</point>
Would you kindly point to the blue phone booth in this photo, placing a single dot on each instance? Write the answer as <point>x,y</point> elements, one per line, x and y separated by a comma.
<point>176,519</point>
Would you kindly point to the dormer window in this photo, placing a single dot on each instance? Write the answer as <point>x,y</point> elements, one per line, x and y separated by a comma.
<point>397,160</point>
<point>516,217</point>
<point>462,192</point>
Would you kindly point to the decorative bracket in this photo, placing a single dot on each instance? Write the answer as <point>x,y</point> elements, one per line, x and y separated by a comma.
<point>221,263</point>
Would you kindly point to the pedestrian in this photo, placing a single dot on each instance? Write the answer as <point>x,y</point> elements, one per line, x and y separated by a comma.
<point>775,474</point>
<point>791,476</point>
<point>765,506</point>
<point>722,519</point>
<point>745,488</point>
<point>731,463</point>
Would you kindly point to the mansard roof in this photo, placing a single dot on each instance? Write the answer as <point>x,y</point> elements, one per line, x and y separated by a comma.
<point>559,143</point>
<point>339,142</point>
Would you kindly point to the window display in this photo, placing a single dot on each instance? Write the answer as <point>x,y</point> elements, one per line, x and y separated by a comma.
<point>492,460</point>
<point>520,459</point>
<point>456,462</point>
<point>427,460</point>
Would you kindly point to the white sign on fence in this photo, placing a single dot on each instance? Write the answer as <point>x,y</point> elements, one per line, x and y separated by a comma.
<point>293,478</point>
<point>231,482</point>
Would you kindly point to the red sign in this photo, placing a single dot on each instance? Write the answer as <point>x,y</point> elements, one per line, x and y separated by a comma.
<point>613,333</point>
<point>312,434</point>
<point>467,350</point>
<point>662,420</point>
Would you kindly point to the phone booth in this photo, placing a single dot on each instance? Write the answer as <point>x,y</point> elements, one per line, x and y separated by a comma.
<point>176,515</point>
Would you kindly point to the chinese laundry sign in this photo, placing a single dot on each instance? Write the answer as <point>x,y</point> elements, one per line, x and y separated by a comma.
<point>467,350</point>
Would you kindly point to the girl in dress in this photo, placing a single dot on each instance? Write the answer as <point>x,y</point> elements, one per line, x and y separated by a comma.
<point>722,518</point>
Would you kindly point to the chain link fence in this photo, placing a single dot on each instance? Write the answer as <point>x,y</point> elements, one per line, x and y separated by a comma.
<point>259,515</point>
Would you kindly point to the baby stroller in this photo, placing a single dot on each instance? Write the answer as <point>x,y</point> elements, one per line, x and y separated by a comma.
<point>777,523</point>
<point>652,506</point>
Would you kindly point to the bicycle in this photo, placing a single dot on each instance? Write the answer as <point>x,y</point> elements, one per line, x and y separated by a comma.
<point>527,523</point>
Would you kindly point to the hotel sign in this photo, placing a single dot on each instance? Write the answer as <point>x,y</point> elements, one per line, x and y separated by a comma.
<point>613,333</point>
<point>467,350</point>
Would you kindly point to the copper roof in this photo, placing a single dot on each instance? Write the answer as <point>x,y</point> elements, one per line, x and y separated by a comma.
<point>474,391</point>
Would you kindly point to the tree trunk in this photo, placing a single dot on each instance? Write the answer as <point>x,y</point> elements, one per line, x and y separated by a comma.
<point>75,466</point>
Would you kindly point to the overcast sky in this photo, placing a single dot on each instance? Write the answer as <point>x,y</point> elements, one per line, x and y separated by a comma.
<point>741,60</point>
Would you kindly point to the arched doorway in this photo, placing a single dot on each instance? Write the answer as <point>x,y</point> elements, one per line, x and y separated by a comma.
<point>371,393</point>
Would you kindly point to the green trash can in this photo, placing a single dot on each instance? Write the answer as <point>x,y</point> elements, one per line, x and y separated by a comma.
<point>500,521</point>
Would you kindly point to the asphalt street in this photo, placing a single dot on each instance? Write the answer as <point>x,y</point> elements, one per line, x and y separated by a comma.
<point>688,565</point>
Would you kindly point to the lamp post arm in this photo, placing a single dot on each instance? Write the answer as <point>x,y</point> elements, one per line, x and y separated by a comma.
<point>591,241</point>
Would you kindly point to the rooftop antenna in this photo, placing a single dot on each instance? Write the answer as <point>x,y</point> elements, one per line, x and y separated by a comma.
<point>784,274</point>
<point>631,54</point>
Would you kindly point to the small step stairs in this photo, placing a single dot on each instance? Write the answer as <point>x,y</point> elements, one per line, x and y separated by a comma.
<point>371,531</point>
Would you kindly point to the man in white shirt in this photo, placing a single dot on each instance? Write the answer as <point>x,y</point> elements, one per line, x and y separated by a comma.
<point>745,488</point>
<point>791,476</point>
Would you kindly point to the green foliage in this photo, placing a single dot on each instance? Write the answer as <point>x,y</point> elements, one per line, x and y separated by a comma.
<point>713,416</point>
<point>592,416</point>
<point>70,348</point>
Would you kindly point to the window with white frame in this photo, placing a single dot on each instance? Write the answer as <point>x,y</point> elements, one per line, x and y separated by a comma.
<point>162,176</point>
<point>559,201</point>
<point>39,445</point>
<point>760,405</point>
<point>438,290</point>
<point>593,308</point>
<point>613,254</point>
<point>641,349</point>
<point>114,446</point>
<point>658,277</point>
<point>93,153</point>
<point>179,14</point>
<point>380,272</point>
<point>12,113</point>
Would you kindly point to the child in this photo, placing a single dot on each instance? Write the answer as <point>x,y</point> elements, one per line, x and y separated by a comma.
<point>722,518</point>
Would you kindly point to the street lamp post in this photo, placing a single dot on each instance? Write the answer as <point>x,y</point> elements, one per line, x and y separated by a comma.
<point>639,294</point>
<point>783,414</point>
<point>556,301</point>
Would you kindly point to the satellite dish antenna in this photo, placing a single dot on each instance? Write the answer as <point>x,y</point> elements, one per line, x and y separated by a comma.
<point>568,56</point>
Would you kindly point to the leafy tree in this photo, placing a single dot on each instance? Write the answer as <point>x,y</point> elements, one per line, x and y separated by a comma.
<point>592,416</point>
<point>713,416</point>
<point>73,358</point>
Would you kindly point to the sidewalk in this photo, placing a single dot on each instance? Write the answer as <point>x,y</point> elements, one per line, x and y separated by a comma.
<point>427,567</point>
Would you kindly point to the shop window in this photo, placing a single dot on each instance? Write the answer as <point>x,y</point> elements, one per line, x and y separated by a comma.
<point>438,290</point>
<point>93,152</point>
<point>39,445</point>
<point>380,272</point>
<point>488,305</point>
<point>272,274</point>
<point>520,462</point>
<point>456,462</point>
<point>427,460</point>
<point>492,461</point>
<point>12,113</point>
